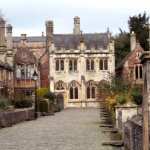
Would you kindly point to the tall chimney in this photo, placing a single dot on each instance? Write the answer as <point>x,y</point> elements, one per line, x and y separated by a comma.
<point>49,28</point>
<point>76,29</point>
<point>49,32</point>
<point>9,37</point>
<point>132,41</point>
<point>2,32</point>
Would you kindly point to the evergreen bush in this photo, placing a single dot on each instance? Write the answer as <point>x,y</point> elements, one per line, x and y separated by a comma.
<point>136,96</point>
<point>121,99</point>
<point>4,103</point>
<point>23,103</point>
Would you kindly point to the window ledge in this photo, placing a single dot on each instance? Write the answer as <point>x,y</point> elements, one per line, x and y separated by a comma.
<point>91,71</point>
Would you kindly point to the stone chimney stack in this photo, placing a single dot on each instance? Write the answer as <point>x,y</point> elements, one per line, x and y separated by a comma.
<point>9,37</point>
<point>132,41</point>
<point>49,28</point>
<point>2,32</point>
<point>49,32</point>
<point>23,40</point>
<point>76,29</point>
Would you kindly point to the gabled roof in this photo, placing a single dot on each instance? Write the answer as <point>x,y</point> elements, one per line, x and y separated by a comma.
<point>137,48</point>
<point>71,41</point>
<point>24,56</point>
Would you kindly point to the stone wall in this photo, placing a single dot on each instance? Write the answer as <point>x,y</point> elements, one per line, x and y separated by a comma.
<point>123,113</point>
<point>8,118</point>
<point>133,133</point>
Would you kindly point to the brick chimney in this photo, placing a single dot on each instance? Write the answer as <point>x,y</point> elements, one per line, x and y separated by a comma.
<point>2,32</point>
<point>9,37</point>
<point>132,41</point>
<point>76,29</point>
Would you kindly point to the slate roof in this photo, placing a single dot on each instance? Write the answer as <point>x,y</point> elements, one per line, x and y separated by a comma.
<point>5,66</point>
<point>71,41</point>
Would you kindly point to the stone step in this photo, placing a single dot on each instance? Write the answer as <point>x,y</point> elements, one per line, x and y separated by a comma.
<point>106,125</point>
<point>114,143</point>
<point>113,130</point>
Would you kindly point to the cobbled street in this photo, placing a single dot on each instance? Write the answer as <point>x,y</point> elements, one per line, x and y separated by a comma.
<point>71,129</point>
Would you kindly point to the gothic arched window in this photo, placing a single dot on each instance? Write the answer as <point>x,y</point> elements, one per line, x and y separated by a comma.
<point>91,90</point>
<point>60,85</point>
<point>73,91</point>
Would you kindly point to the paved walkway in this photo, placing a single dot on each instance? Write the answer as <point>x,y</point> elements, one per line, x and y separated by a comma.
<point>71,129</point>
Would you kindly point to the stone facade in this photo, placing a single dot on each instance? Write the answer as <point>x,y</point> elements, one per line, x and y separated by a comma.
<point>77,63</point>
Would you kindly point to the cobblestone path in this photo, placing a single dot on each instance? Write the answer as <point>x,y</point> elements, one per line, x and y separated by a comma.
<point>71,129</point>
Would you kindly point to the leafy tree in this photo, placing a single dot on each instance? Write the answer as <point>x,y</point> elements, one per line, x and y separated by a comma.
<point>137,24</point>
<point>122,45</point>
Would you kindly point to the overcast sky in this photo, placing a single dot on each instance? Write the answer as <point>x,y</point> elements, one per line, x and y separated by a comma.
<point>29,16</point>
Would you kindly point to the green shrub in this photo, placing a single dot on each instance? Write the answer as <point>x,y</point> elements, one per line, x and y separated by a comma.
<point>121,99</point>
<point>23,103</point>
<point>4,103</point>
<point>51,96</point>
<point>42,92</point>
<point>136,96</point>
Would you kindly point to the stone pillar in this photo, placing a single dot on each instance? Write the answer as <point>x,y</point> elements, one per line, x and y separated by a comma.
<point>2,32</point>
<point>76,29</point>
<point>83,94</point>
<point>51,72</point>
<point>23,40</point>
<point>145,59</point>
<point>9,37</point>
<point>132,41</point>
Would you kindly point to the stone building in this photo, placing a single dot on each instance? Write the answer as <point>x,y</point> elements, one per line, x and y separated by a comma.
<point>24,67</point>
<point>6,69</point>
<point>70,64</point>
<point>78,63</point>
<point>131,69</point>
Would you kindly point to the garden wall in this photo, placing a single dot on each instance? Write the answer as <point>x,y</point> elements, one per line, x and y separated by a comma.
<point>123,113</point>
<point>133,133</point>
<point>8,118</point>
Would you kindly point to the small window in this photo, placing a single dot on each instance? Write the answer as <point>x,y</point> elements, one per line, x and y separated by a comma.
<point>103,64</point>
<point>90,65</point>
<point>73,65</point>
<point>59,65</point>
<point>138,72</point>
